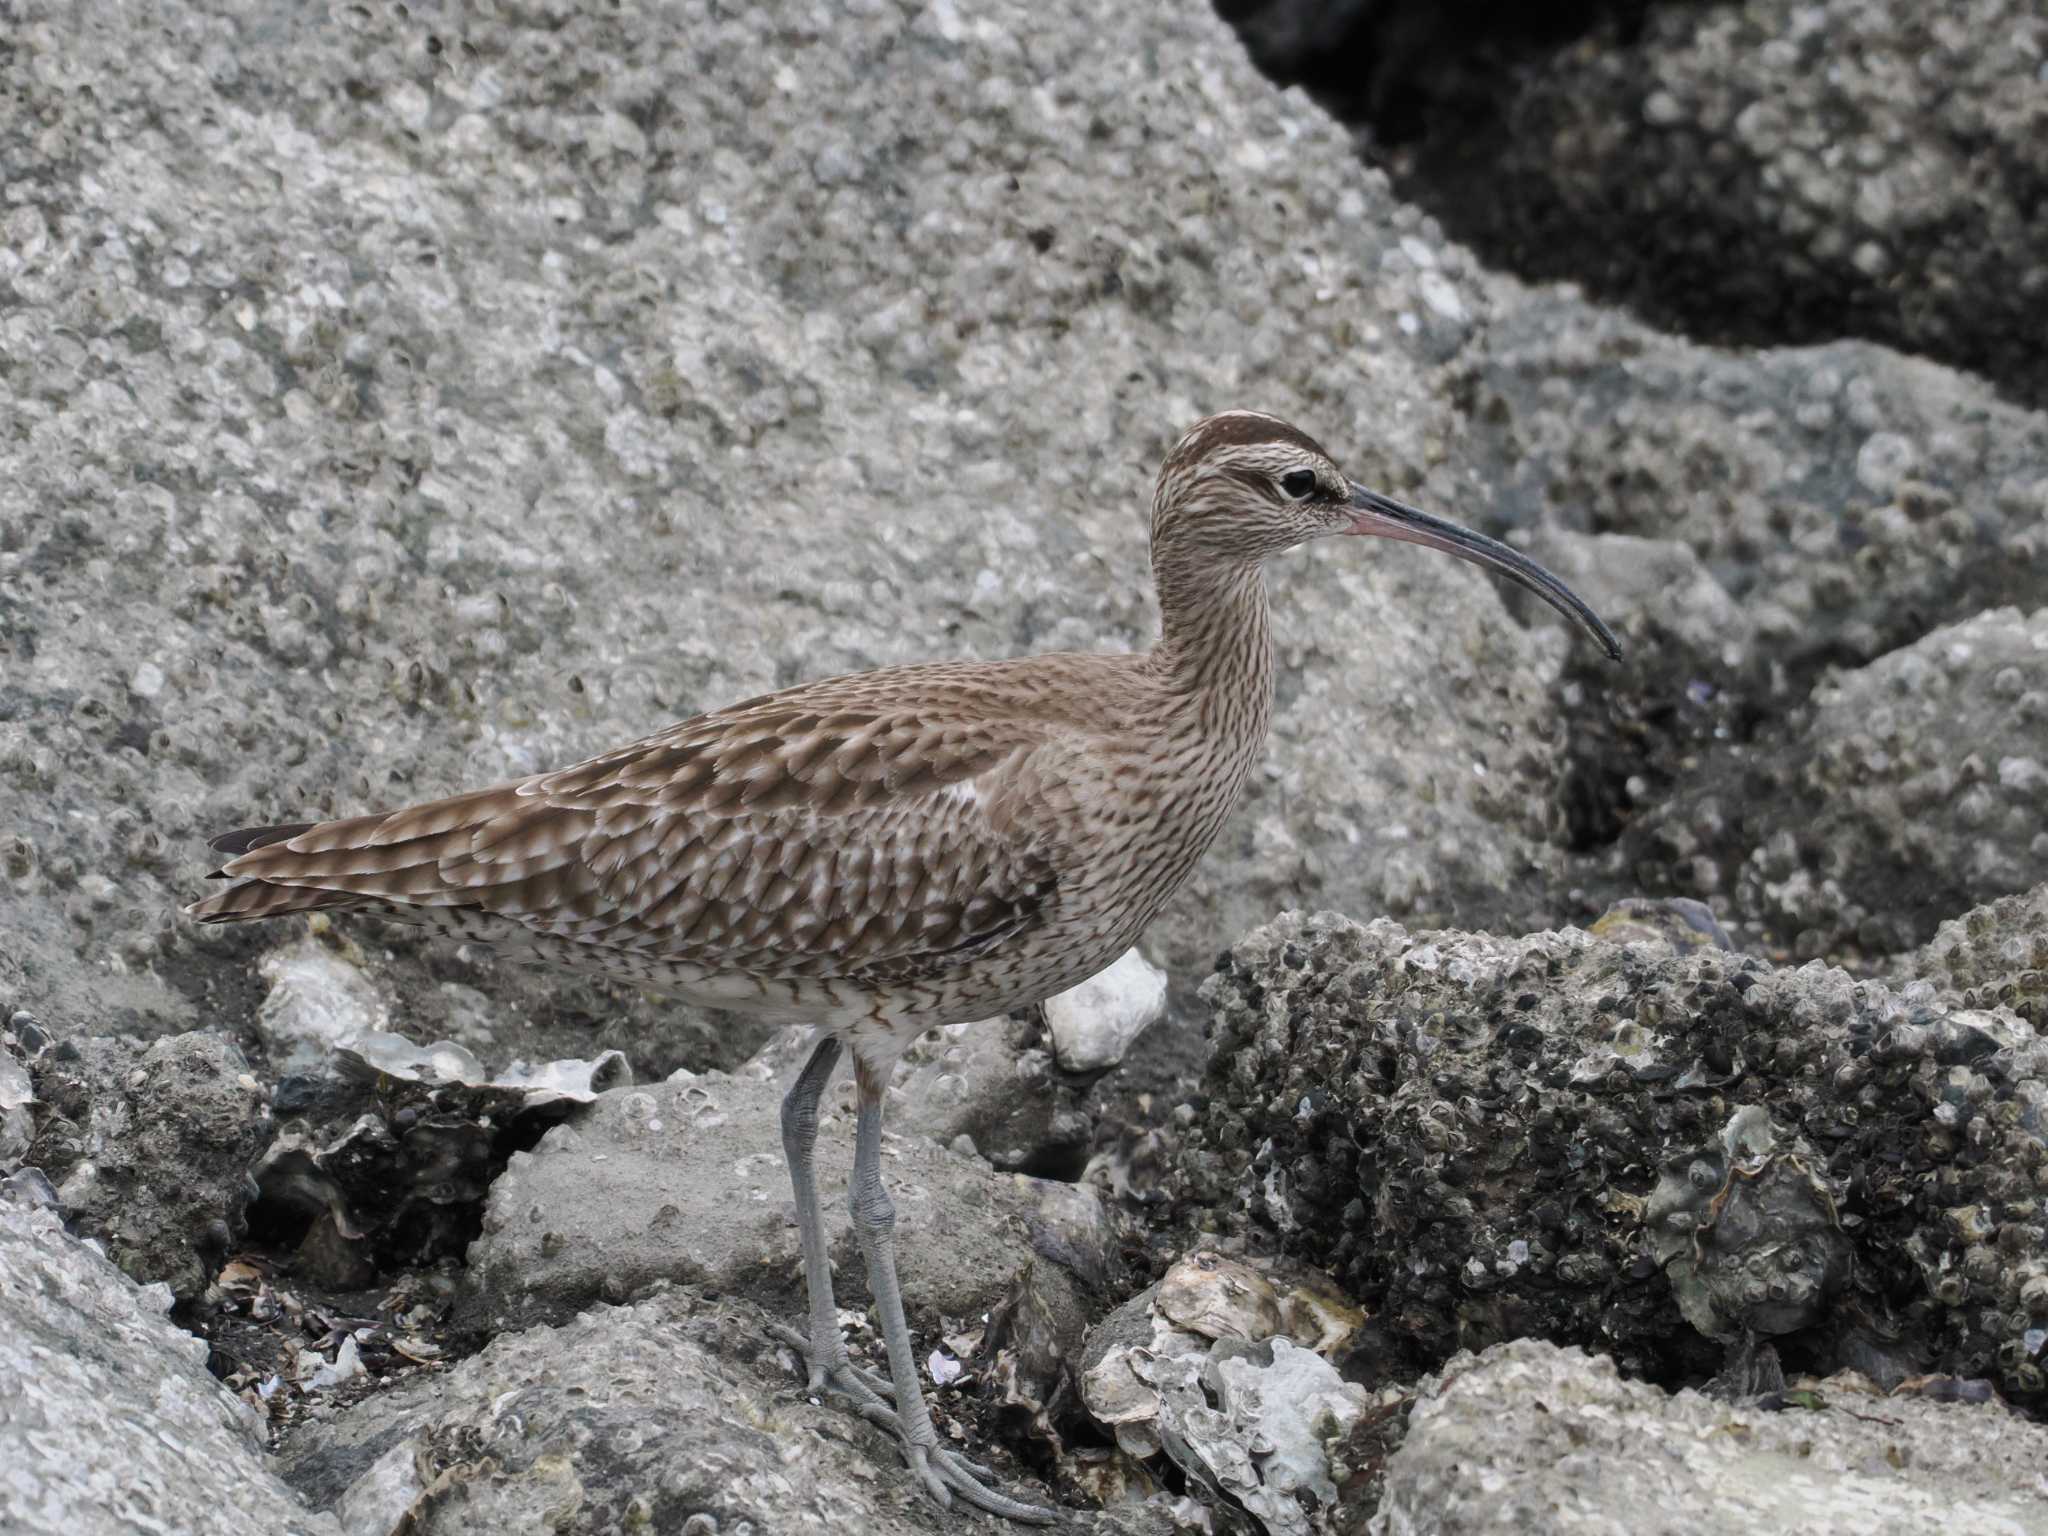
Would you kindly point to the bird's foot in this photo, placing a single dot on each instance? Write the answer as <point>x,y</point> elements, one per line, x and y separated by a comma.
<point>831,1370</point>
<point>945,1475</point>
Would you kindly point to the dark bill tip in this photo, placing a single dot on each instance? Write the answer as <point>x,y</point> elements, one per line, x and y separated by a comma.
<point>1382,517</point>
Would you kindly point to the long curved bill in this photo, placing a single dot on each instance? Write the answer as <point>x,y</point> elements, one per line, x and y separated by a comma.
<point>1382,517</point>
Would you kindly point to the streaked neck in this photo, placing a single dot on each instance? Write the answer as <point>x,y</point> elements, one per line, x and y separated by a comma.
<point>1216,639</point>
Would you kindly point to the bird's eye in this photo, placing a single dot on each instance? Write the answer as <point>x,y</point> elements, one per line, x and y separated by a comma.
<point>1299,483</point>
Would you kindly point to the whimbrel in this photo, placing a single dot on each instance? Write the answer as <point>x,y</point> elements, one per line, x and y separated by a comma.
<point>882,853</point>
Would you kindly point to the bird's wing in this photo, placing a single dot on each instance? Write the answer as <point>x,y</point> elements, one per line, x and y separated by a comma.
<point>804,834</point>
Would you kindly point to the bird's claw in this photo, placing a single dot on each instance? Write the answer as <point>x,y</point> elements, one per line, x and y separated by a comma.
<point>943,1474</point>
<point>865,1390</point>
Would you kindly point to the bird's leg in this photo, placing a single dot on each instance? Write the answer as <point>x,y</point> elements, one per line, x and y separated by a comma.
<point>941,1471</point>
<point>824,1351</point>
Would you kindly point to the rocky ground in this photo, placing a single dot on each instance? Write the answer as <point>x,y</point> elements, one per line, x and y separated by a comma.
<point>401,398</point>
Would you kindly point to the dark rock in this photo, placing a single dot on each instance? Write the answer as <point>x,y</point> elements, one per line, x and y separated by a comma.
<point>1844,498</point>
<point>396,1145</point>
<point>1897,794</point>
<point>1476,1168</point>
<point>1409,68</point>
<point>1771,172</point>
<point>150,1148</point>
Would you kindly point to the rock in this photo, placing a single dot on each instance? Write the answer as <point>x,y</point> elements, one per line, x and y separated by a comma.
<point>318,1002</point>
<point>1749,1233</point>
<point>1900,793</point>
<point>990,1087</point>
<point>1845,499</point>
<point>685,1181</point>
<point>1406,67</point>
<point>1835,505</point>
<point>1646,587</point>
<point>111,1421</point>
<point>1093,1024</point>
<point>17,1096</point>
<point>478,491</point>
<point>1777,171</point>
<point>1531,1437</point>
<point>387,1164</point>
<point>1033,1346</point>
<point>1483,1139</point>
<point>1994,956</point>
<point>1678,923</point>
<point>1223,1370</point>
<point>150,1148</point>
<point>672,1414</point>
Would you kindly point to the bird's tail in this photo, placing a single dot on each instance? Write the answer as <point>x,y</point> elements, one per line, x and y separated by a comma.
<point>375,860</point>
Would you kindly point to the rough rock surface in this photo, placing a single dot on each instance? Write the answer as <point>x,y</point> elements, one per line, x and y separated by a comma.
<point>1223,1367</point>
<point>1529,1437</point>
<point>1897,794</point>
<point>150,1146</point>
<point>1404,66</point>
<point>109,1421</point>
<point>674,1414</point>
<point>991,1087</point>
<point>1471,1134</point>
<point>404,403</point>
<point>1993,956</point>
<point>383,1161</point>
<point>1847,498</point>
<point>1773,171</point>
<point>1095,1024</point>
<point>685,1181</point>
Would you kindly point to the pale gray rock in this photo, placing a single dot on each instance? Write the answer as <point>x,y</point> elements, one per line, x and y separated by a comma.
<point>1094,1024</point>
<point>109,1420</point>
<point>150,1146</point>
<point>673,1414</point>
<point>1530,1437</point>
<point>1847,499</point>
<point>409,405</point>
<point>685,1181</point>
<point>991,1087</point>
<point>1643,586</point>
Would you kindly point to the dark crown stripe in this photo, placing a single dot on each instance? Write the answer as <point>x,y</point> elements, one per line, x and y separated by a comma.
<point>1237,429</point>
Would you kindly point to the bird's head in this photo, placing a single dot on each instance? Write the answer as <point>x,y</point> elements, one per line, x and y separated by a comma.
<point>1242,486</point>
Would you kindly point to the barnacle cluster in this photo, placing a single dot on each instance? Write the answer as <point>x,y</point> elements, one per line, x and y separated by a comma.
<point>1487,1138</point>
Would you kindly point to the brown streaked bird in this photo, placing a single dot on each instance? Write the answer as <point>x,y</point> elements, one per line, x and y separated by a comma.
<point>887,852</point>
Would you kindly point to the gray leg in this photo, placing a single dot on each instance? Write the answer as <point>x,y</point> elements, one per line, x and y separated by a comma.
<point>824,1350</point>
<point>941,1471</point>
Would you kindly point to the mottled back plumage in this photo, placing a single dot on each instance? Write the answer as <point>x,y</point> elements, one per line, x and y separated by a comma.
<point>926,842</point>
